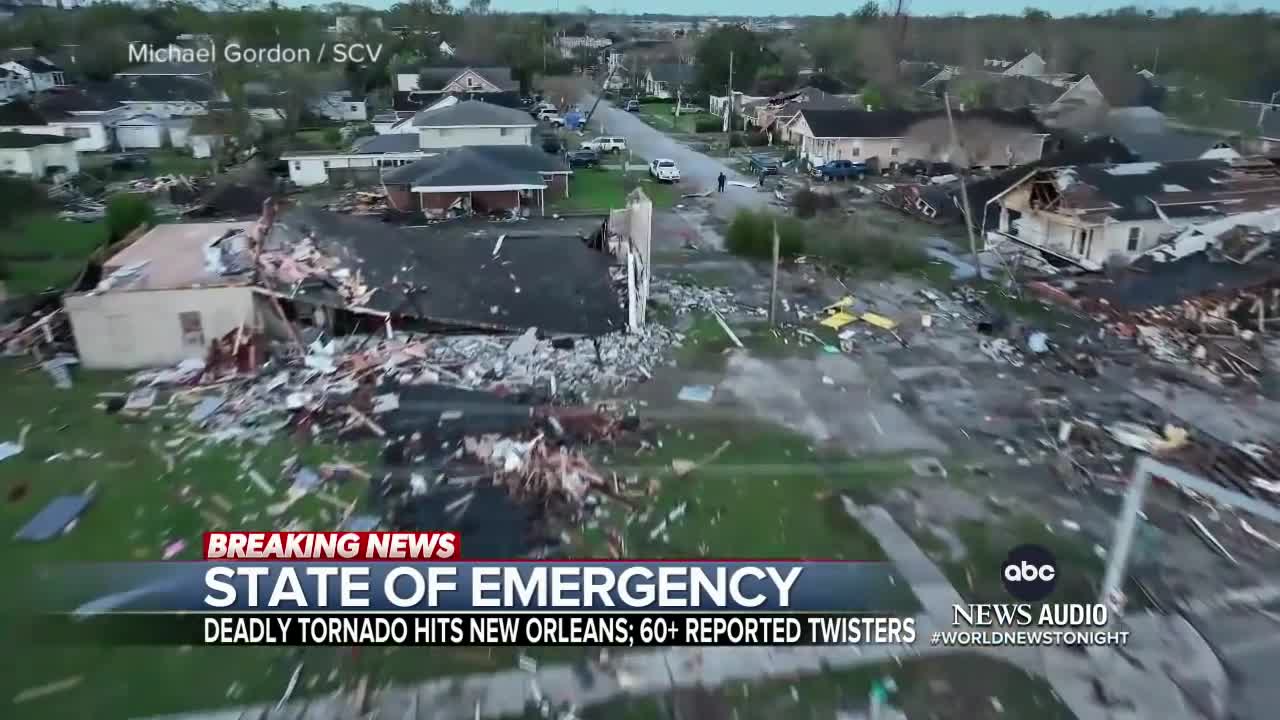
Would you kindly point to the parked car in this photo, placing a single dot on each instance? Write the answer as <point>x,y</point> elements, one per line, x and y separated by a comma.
<point>632,105</point>
<point>552,118</point>
<point>543,107</point>
<point>763,165</point>
<point>664,170</point>
<point>606,144</point>
<point>544,111</point>
<point>583,158</point>
<point>840,170</point>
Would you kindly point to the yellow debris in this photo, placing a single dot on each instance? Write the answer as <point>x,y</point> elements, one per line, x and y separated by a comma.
<point>838,320</point>
<point>844,302</point>
<point>879,321</point>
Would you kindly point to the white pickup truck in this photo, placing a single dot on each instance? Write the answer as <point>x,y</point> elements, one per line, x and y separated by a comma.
<point>606,144</point>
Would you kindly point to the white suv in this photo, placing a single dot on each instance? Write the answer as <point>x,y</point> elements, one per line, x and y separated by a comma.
<point>606,144</point>
<point>664,170</point>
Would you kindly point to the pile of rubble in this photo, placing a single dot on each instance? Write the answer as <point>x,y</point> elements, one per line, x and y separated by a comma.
<point>360,203</point>
<point>1200,335</point>
<point>159,183</point>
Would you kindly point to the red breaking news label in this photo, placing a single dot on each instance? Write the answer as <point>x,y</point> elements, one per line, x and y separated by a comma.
<point>331,546</point>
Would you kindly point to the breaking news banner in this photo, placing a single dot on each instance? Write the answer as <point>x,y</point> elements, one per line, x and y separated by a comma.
<point>410,588</point>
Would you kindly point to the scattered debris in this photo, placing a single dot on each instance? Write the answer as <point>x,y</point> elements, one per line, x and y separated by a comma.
<point>52,688</point>
<point>696,393</point>
<point>57,517</point>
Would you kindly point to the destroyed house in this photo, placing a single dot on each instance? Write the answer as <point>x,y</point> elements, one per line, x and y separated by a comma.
<point>406,103</point>
<point>443,80</point>
<point>486,179</point>
<point>994,138</point>
<point>166,296</point>
<point>1091,213</point>
<point>554,275</point>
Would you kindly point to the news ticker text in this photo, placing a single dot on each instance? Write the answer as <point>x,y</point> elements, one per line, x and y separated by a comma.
<point>473,629</point>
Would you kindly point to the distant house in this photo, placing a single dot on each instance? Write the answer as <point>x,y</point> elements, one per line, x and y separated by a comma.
<point>197,70</point>
<point>570,44</point>
<point>885,137</point>
<point>37,156</point>
<point>164,95</point>
<point>472,122</point>
<point>339,105</point>
<point>776,114</point>
<point>453,79</point>
<point>89,133</point>
<point>1090,213</point>
<point>144,131</point>
<point>366,163</point>
<point>36,74</point>
<point>1032,65</point>
<point>407,103</point>
<point>669,79</point>
<point>479,180</point>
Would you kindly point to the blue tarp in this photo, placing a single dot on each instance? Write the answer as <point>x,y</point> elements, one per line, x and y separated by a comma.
<point>54,518</point>
<point>574,120</point>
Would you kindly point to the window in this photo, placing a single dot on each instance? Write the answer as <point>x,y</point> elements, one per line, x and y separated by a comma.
<point>1135,236</point>
<point>354,108</point>
<point>893,152</point>
<point>504,132</point>
<point>443,132</point>
<point>76,132</point>
<point>192,329</point>
<point>326,163</point>
<point>856,151</point>
<point>297,165</point>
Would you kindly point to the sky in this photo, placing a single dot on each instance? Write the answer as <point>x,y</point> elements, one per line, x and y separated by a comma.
<point>828,7</point>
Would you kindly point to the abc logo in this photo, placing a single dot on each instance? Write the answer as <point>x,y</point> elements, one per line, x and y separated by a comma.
<point>1029,573</point>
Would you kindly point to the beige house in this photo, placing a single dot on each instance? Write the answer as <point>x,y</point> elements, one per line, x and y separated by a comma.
<point>997,138</point>
<point>167,296</point>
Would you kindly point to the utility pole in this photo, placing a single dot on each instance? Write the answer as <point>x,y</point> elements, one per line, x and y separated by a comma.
<point>773,282</point>
<point>728,115</point>
<point>964,192</point>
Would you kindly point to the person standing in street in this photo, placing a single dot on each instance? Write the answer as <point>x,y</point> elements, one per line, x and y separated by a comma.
<point>720,182</point>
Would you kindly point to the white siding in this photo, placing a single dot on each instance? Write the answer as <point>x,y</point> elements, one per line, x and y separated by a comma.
<point>17,160</point>
<point>36,161</point>
<point>465,136</point>
<point>305,171</point>
<point>98,138</point>
<point>140,136</point>
<point>137,329</point>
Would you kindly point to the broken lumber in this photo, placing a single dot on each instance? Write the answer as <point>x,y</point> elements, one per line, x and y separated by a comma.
<point>52,688</point>
<point>725,326</point>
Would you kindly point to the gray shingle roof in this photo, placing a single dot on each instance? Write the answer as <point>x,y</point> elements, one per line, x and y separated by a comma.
<point>675,73</point>
<point>437,77</point>
<point>472,113</point>
<point>476,167</point>
<point>389,143</point>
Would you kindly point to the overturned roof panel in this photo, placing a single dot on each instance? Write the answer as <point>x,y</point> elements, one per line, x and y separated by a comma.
<point>464,274</point>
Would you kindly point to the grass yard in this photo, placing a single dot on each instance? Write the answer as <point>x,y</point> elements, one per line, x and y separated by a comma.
<point>661,117</point>
<point>952,688</point>
<point>593,189</point>
<point>163,162</point>
<point>44,252</point>
<point>316,138</point>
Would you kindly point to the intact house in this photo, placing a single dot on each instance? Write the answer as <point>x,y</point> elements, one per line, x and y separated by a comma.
<point>365,163</point>
<point>165,297</point>
<point>495,179</point>
<point>443,80</point>
<point>88,132</point>
<point>164,96</point>
<point>668,80</point>
<point>407,103</point>
<point>881,138</point>
<point>472,122</point>
<point>1090,214</point>
<point>36,74</point>
<point>40,157</point>
<point>452,124</point>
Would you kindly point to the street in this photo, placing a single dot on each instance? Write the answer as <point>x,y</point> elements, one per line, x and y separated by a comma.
<point>697,170</point>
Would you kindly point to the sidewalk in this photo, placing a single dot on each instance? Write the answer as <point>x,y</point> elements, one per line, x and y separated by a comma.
<point>1151,693</point>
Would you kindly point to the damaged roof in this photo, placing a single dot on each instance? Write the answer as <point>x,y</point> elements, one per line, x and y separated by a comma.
<point>1150,190</point>
<point>467,274</point>
<point>898,123</point>
<point>479,166</point>
<point>181,255</point>
<point>21,113</point>
<point>14,140</point>
<point>438,77</point>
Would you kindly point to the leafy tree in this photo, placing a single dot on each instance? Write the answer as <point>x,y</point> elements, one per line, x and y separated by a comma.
<point>713,58</point>
<point>867,13</point>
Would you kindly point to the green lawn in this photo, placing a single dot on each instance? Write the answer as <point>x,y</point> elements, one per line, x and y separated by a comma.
<point>661,117</point>
<point>952,688</point>
<point>163,162</point>
<point>44,252</point>
<point>593,189</point>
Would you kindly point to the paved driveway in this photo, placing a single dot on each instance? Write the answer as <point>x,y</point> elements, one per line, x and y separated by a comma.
<point>698,171</point>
